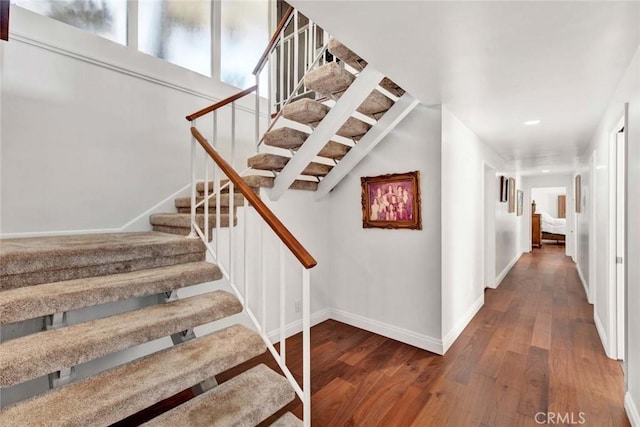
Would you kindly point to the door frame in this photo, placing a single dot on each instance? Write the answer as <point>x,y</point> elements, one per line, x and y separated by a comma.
<point>488,255</point>
<point>615,292</point>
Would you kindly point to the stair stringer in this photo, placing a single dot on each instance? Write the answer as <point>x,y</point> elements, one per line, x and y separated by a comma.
<point>366,82</point>
<point>368,142</point>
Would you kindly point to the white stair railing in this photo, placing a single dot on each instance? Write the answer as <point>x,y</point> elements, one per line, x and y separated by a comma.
<point>292,51</point>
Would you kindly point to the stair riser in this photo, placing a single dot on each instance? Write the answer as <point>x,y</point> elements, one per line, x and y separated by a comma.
<point>180,231</point>
<point>224,210</point>
<point>39,277</point>
<point>185,202</point>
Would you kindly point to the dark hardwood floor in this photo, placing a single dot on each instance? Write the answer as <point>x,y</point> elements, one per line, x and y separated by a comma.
<point>533,348</point>
<point>531,351</point>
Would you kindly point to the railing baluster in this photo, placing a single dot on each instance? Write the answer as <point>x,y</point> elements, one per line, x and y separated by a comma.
<point>306,345</point>
<point>216,185</point>
<point>245,255</point>
<point>283,297</point>
<point>296,44</point>
<point>206,197</point>
<point>263,281</point>
<point>281,95</point>
<point>192,233</point>
<point>232,191</point>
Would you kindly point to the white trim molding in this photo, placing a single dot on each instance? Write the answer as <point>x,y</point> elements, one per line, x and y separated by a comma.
<point>139,223</point>
<point>601,332</point>
<point>406,336</point>
<point>632,410</point>
<point>454,333</point>
<point>507,269</point>
<point>296,326</point>
<point>584,284</point>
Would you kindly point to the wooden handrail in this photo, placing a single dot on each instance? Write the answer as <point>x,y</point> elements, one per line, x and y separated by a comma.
<point>270,218</point>
<point>273,41</point>
<point>220,104</point>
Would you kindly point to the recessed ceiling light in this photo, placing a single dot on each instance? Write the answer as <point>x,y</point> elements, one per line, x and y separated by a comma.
<point>532,122</point>
<point>545,171</point>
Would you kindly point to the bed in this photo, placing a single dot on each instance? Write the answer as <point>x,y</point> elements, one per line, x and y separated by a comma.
<point>553,228</point>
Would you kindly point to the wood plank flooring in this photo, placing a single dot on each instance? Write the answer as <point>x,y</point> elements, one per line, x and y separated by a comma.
<point>532,348</point>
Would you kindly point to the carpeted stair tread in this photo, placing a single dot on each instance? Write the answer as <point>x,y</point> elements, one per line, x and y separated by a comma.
<point>125,390</point>
<point>349,57</point>
<point>274,162</point>
<point>353,128</point>
<point>374,104</point>
<point>268,182</point>
<point>185,202</point>
<point>41,300</point>
<point>41,353</point>
<point>310,112</point>
<point>329,79</point>
<point>292,139</point>
<point>183,220</point>
<point>288,420</point>
<point>244,401</point>
<point>305,111</point>
<point>36,260</point>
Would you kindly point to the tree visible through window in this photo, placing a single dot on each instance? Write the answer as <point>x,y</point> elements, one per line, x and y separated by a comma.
<point>177,31</point>
<point>106,18</point>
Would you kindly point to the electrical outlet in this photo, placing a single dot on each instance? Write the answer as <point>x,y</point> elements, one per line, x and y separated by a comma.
<point>298,306</point>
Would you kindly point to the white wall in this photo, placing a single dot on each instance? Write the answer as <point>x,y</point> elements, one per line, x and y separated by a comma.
<point>628,91</point>
<point>632,400</point>
<point>583,221</point>
<point>388,281</point>
<point>604,294</point>
<point>547,199</point>
<point>463,157</point>
<point>95,134</point>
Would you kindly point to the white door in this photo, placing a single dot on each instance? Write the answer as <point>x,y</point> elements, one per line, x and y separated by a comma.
<point>620,241</point>
<point>489,226</point>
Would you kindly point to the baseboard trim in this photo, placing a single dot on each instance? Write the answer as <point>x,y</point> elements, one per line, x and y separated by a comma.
<point>632,410</point>
<point>296,326</point>
<point>454,333</point>
<point>139,223</point>
<point>406,336</point>
<point>584,284</point>
<point>601,332</point>
<point>507,269</point>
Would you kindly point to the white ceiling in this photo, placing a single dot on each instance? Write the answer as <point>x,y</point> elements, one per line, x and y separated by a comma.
<point>498,64</point>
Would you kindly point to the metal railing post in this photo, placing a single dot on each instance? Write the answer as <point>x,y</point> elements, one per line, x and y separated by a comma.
<point>192,233</point>
<point>306,345</point>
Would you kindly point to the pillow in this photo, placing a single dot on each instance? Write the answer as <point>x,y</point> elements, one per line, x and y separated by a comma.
<point>546,217</point>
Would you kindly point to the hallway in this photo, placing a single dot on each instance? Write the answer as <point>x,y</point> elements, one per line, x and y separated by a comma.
<point>533,348</point>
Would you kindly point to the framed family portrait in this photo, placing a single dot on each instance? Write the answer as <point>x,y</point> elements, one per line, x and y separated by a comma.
<point>391,201</point>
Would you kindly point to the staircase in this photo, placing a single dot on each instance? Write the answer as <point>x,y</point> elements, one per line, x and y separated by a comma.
<point>316,140</point>
<point>46,278</point>
<point>317,137</point>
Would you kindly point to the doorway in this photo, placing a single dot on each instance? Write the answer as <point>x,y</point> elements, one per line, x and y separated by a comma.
<point>550,228</point>
<point>490,197</point>
<point>617,210</point>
